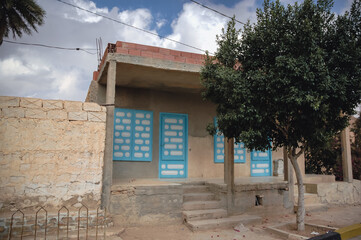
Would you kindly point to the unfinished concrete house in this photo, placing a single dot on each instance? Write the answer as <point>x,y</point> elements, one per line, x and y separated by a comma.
<point>139,147</point>
<point>160,160</point>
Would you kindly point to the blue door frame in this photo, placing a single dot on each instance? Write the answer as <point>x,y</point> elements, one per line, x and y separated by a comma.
<point>173,145</point>
<point>261,163</point>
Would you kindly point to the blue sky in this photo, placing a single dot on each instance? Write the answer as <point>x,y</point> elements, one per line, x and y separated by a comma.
<point>30,71</point>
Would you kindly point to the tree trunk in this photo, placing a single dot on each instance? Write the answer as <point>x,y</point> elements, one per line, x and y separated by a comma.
<point>301,193</point>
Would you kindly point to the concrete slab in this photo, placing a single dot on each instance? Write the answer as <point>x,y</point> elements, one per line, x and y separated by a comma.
<point>197,225</point>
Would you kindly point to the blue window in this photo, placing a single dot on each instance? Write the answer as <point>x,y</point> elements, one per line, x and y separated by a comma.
<point>133,134</point>
<point>239,149</point>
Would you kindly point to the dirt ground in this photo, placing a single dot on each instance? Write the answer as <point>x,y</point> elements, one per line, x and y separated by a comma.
<point>335,216</point>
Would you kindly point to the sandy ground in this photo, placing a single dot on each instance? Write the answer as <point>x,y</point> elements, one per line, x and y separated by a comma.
<point>335,216</point>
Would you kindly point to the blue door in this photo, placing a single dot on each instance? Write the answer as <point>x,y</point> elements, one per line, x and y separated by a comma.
<point>173,145</point>
<point>261,163</point>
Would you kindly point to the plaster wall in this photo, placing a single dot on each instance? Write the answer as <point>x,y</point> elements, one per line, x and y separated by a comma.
<point>51,152</point>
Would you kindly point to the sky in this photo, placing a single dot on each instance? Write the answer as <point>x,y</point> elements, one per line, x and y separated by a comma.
<point>30,71</point>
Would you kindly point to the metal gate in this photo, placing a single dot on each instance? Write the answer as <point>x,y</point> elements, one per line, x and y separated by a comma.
<point>173,145</point>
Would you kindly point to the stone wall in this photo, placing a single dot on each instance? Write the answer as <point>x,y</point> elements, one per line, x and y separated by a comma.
<point>51,153</point>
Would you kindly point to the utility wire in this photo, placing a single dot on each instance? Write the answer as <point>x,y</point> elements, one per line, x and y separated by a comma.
<point>126,24</point>
<point>214,10</point>
<point>55,47</point>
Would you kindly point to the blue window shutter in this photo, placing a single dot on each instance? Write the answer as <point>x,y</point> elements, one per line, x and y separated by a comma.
<point>218,145</point>
<point>239,149</point>
<point>133,134</point>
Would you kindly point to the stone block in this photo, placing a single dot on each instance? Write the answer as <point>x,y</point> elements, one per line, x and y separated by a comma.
<point>31,102</point>
<point>104,109</point>
<point>9,101</point>
<point>52,104</point>
<point>97,116</point>
<point>78,116</point>
<point>72,106</point>
<point>35,113</point>
<point>57,114</point>
<point>89,106</point>
<point>13,112</point>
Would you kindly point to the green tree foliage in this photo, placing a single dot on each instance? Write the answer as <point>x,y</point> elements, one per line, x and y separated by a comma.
<point>299,78</point>
<point>19,16</point>
<point>325,160</point>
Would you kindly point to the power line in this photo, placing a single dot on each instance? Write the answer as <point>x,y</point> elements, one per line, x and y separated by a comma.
<point>126,24</point>
<point>214,10</point>
<point>55,47</point>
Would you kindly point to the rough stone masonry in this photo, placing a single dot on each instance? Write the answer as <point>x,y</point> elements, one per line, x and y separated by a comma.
<point>51,152</point>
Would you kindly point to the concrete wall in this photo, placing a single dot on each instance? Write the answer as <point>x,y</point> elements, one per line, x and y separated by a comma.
<point>340,192</point>
<point>51,152</point>
<point>275,198</point>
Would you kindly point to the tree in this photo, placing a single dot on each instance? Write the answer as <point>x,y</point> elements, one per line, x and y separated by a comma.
<point>291,80</point>
<point>19,16</point>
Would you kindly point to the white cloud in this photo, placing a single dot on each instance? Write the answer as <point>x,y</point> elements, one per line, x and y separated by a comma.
<point>140,18</point>
<point>60,74</point>
<point>10,67</point>
<point>195,26</point>
<point>84,16</point>
<point>160,23</point>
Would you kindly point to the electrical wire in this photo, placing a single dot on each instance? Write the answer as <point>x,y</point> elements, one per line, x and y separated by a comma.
<point>214,10</point>
<point>55,47</point>
<point>126,24</point>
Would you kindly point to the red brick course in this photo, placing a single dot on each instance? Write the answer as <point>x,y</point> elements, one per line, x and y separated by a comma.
<point>134,49</point>
<point>126,48</point>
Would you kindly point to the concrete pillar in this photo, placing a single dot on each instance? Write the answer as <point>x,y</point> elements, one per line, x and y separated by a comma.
<point>229,172</point>
<point>288,176</point>
<point>108,151</point>
<point>346,155</point>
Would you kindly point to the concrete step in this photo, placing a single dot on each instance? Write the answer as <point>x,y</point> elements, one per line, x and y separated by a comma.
<point>310,198</point>
<point>311,188</point>
<point>201,205</point>
<point>204,214</point>
<point>319,207</point>
<point>228,222</point>
<point>203,196</point>
<point>195,188</point>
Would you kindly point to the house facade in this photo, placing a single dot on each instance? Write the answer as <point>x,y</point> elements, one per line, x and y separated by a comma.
<point>160,118</point>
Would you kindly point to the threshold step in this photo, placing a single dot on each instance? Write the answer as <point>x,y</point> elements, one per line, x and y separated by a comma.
<point>203,196</point>
<point>201,205</point>
<point>204,214</point>
<point>195,188</point>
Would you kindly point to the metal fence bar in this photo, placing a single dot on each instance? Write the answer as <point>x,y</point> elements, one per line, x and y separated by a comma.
<point>97,223</point>
<point>96,228</point>
<point>67,222</point>
<point>87,219</point>
<point>36,221</point>
<point>11,224</point>
<point>62,210</point>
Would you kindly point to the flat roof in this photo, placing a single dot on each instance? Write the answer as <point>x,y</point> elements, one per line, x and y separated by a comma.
<point>142,66</point>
